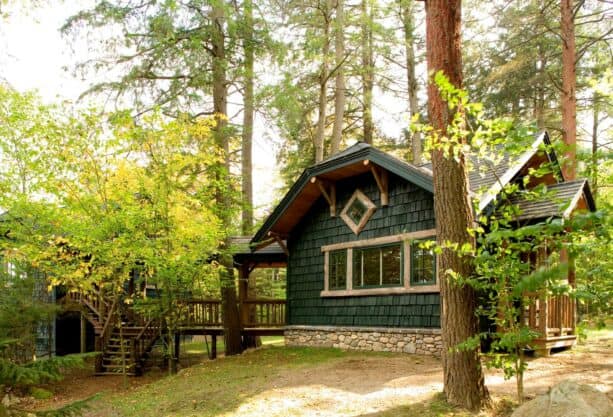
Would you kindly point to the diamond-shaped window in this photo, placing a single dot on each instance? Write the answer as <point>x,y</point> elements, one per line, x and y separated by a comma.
<point>358,211</point>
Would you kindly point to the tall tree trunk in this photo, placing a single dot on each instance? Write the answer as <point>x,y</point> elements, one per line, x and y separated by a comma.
<point>247,142</point>
<point>367,69</point>
<point>569,85</point>
<point>247,137</point>
<point>220,103</point>
<point>406,11</point>
<point>323,85</point>
<point>463,377</point>
<point>594,156</point>
<point>339,92</point>
<point>539,99</point>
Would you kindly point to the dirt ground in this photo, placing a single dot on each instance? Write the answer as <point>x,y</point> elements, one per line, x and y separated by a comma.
<point>372,384</point>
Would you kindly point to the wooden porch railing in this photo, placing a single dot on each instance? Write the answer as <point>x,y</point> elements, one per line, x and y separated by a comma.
<point>261,313</point>
<point>550,316</point>
<point>203,313</point>
<point>264,313</point>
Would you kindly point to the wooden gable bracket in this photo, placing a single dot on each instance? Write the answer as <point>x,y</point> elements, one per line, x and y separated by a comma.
<point>328,190</point>
<point>279,239</point>
<point>381,179</point>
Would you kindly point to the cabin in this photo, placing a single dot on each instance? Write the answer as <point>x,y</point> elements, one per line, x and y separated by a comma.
<point>349,231</point>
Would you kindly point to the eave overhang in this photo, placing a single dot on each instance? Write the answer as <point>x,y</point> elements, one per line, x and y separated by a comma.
<point>304,193</point>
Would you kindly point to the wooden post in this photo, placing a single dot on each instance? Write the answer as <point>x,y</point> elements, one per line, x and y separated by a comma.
<point>243,288</point>
<point>83,333</point>
<point>177,348</point>
<point>99,348</point>
<point>213,347</point>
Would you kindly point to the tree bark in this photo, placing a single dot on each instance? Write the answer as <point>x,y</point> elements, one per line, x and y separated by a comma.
<point>406,12</point>
<point>339,92</point>
<point>463,377</point>
<point>594,156</point>
<point>569,85</point>
<point>323,85</point>
<point>220,103</point>
<point>539,93</point>
<point>247,136</point>
<point>367,70</point>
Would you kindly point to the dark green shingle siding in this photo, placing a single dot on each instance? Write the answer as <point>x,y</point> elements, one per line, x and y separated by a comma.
<point>411,209</point>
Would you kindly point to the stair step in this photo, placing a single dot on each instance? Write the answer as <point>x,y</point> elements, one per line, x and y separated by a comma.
<point>118,365</point>
<point>114,373</point>
<point>117,359</point>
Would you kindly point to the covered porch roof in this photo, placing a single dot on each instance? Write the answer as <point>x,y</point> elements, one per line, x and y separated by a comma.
<point>271,255</point>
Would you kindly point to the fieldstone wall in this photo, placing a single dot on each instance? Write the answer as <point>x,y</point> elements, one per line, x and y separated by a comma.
<point>418,340</point>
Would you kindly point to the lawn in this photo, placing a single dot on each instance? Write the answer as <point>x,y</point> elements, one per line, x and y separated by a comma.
<point>279,381</point>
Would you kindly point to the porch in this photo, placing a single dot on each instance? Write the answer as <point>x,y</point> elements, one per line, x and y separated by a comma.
<point>554,319</point>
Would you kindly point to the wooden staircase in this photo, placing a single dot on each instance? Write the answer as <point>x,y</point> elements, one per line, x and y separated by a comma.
<point>124,340</point>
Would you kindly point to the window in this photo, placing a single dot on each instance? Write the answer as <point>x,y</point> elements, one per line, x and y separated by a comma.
<point>377,266</point>
<point>423,264</point>
<point>358,211</point>
<point>396,264</point>
<point>337,270</point>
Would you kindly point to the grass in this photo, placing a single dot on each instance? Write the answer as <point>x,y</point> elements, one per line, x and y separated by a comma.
<point>217,388</point>
<point>200,348</point>
<point>213,387</point>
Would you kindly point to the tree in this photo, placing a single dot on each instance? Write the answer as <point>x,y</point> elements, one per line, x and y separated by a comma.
<point>463,377</point>
<point>569,84</point>
<point>367,71</point>
<point>248,115</point>
<point>324,76</point>
<point>339,77</point>
<point>407,11</point>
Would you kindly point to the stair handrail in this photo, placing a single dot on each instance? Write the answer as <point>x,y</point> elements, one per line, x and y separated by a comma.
<point>145,328</point>
<point>140,345</point>
<point>107,328</point>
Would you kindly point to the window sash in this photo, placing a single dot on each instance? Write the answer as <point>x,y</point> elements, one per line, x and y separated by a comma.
<point>406,282</point>
<point>423,264</point>
<point>337,270</point>
<point>370,268</point>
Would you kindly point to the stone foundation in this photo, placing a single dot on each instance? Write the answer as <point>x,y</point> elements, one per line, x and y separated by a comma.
<point>382,339</point>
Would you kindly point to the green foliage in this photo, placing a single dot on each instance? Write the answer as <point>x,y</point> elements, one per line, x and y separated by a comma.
<point>39,371</point>
<point>40,393</point>
<point>74,409</point>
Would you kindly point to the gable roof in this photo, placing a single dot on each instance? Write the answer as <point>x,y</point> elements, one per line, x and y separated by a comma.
<point>345,164</point>
<point>243,252</point>
<point>486,180</point>
<point>560,201</point>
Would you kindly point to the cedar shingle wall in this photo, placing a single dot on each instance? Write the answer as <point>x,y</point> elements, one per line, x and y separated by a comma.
<point>410,209</point>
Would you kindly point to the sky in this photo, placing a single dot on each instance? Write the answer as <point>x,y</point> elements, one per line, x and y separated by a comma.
<point>37,57</point>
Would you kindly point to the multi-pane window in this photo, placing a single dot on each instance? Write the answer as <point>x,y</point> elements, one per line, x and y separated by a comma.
<point>394,262</point>
<point>337,270</point>
<point>423,264</point>
<point>377,266</point>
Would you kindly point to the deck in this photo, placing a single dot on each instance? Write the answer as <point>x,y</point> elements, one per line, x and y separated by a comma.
<point>554,319</point>
<point>258,317</point>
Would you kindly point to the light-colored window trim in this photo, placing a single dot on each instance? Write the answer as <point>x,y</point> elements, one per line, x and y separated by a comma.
<point>370,209</point>
<point>380,248</point>
<point>435,267</point>
<point>406,288</point>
